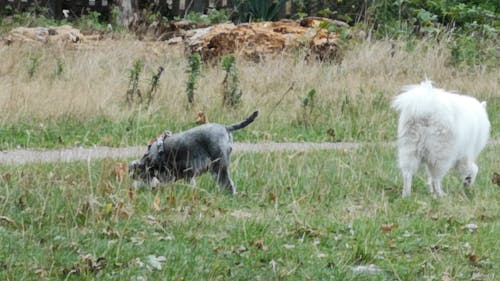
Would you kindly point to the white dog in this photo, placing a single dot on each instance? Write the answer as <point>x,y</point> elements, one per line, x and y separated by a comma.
<point>442,130</point>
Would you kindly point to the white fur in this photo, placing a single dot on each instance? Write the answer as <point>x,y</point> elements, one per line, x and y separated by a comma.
<point>441,130</point>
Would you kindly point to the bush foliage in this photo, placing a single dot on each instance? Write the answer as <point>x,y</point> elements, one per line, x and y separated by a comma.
<point>471,26</point>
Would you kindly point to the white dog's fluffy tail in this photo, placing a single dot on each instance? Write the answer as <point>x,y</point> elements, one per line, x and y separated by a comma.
<point>422,100</point>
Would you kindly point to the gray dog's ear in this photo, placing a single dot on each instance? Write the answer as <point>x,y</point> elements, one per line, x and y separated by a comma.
<point>134,165</point>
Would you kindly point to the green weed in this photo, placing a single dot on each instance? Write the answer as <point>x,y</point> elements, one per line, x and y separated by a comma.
<point>194,72</point>
<point>154,85</point>
<point>308,104</point>
<point>59,68</point>
<point>231,93</point>
<point>133,89</point>
<point>33,65</point>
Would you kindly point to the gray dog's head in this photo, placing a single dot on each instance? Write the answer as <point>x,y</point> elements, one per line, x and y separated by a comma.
<point>136,170</point>
<point>149,169</point>
<point>142,174</point>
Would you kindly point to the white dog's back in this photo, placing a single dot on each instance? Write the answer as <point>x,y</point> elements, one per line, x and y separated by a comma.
<point>461,119</point>
<point>440,129</point>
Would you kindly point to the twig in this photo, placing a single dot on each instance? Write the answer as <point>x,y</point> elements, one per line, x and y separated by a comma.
<point>187,8</point>
<point>282,97</point>
<point>4,218</point>
<point>154,84</point>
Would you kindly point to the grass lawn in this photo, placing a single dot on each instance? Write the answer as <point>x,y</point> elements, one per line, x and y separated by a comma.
<point>321,215</point>
<point>318,215</point>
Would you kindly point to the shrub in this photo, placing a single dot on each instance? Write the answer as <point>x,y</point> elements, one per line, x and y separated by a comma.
<point>258,10</point>
<point>194,72</point>
<point>133,82</point>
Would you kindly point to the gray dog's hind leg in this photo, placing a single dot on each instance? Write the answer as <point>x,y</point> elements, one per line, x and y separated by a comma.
<point>221,175</point>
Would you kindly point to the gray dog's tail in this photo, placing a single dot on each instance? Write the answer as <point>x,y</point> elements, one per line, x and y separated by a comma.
<point>242,124</point>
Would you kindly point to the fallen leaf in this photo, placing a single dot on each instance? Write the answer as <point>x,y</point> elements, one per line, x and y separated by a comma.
<point>91,263</point>
<point>108,208</point>
<point>138,262</point>
<point>137,240</point>
<point>391,243</point>
<point>150,220</point>
<point>273,265</point>
<point>369,269</point>
<point>201,118</point>
<point>155,262</point>
<point>477,276</point>
<point>172,202</point>
<point>272,197</point>
<point>107,138</point>
<point>473,257</point>
<point>131,194</point>
<point>241,249</point>
<point>99,264</point>
<point>496,179</point>
<point>41,272</point>
<point>445,277</point>
<point>388,227</point>
<point>6,176</point>
<point>241,214</point>
<point>472,227</point>
<point>331,132</point>
<point>156,204</point>
<point>120,171</point>
<point>166,238</point>
<point>259,244</point>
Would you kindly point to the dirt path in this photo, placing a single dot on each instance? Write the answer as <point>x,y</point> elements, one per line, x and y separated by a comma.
<point>23,156</point>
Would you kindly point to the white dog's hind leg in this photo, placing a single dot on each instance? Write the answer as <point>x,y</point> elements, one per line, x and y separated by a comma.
<point>437,171</point>
<point>430,187</point>
<point>409,164</point>
<point>407,178</point>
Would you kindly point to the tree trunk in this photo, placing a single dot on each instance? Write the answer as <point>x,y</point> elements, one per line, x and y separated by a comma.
<point>127,8</point>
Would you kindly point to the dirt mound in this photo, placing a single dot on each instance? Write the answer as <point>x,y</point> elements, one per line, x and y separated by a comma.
<point>257,40</point>
<point>64,36</point>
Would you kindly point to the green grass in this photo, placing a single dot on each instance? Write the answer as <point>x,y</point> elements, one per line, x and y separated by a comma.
<point>369,120</point>
<point>298,216</point>
<point>339,120</point>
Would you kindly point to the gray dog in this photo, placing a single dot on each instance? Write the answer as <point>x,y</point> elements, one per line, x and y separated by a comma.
<point>185,155</point>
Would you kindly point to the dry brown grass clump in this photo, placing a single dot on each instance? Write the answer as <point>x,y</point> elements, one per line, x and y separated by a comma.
<point>44,82</point>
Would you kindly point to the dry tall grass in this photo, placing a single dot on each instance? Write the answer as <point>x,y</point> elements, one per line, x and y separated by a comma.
<point>94,81</point>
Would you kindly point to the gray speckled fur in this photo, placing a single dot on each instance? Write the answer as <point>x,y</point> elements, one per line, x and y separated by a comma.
<point>188,154</point>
